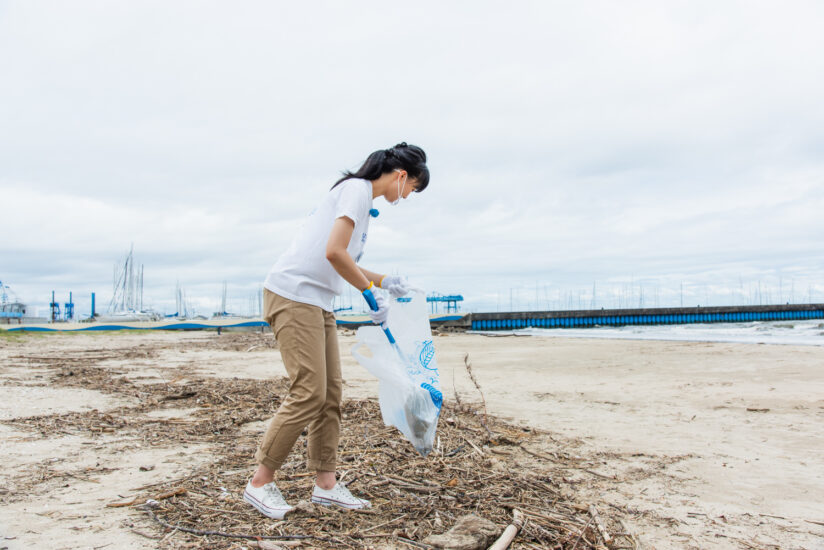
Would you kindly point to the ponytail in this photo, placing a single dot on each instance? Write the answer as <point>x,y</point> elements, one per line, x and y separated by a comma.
<point>400,157</point>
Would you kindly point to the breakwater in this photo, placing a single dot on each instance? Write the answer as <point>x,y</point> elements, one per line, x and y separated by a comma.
<point>228,323</point>
<point>503,320</point>
<point>646,316</point>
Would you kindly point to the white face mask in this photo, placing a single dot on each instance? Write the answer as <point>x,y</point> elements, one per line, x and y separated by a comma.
<point>401,187</point>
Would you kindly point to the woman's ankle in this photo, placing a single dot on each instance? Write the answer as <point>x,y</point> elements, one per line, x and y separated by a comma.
<point>263,475</point>
<point>326,480</point>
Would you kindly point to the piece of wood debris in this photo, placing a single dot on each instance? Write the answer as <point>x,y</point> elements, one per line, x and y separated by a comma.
<point>636,542</point>
<point>536,454</point>
<point>162,496</point>
<point>266,545</point>
<point>510,532</point>
<point>500,451</point>
<point>593,511</point>
<point>184,395</point>
<point>477,449</point>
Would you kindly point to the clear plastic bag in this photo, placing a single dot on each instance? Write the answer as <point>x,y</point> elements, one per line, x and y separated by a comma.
<point>409,388</point>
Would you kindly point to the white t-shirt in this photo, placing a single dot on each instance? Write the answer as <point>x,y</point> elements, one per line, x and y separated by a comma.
<point>303,273</point>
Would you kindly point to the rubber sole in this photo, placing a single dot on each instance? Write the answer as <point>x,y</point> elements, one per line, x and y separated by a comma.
<point>263,509</point>
<point>323,501</point>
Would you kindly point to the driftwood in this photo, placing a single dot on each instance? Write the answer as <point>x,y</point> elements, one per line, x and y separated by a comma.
<point>266,545</point>
<point>168,494</point>
<point>628,533</point>
<point>184,395</point>
<point>581,536</point>
<point>593,511</point>
<point>510,532</point>
<point>279,545</point>
<point>470,532</point>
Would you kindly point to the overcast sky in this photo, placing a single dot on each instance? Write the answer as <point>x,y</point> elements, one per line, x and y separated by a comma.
<point>635,147</point>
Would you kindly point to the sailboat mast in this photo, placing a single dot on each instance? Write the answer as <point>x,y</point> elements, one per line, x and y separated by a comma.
<point>140,295</point>
<point>223,300</point>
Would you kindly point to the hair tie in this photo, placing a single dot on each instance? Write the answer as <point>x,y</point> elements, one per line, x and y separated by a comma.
<point>401,145</point>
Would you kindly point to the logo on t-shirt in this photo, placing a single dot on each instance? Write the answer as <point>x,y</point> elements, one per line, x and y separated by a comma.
<point>363,238</point>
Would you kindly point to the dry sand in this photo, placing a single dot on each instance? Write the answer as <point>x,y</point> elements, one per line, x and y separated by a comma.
<point>695,445</point>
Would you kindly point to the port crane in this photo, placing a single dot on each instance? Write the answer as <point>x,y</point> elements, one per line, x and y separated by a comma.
<point>13,309</point>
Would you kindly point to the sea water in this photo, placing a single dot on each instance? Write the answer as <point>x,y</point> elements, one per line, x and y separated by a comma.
<point>804,333</point>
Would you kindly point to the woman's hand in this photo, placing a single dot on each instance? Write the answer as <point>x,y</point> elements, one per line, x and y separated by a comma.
<point>378,306</point>
<point>396,286</point>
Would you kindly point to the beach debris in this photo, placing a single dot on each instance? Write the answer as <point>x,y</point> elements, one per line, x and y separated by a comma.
<point>756,410</point>
<point>484,422</point>
<point>414,497</point>
<point>510,532</point>
<point>168,494</point>
<point>304,507</point>
<point>266,545</point>
<point>629,534</point>
<point>207,532</point>
<point>184,395</point>
<point>470,532</point>
<point>593,511</point>
<point>582,536</point>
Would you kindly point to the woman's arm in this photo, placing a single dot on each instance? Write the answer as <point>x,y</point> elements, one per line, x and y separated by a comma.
<point>341,260</point>
<point>372,276</point>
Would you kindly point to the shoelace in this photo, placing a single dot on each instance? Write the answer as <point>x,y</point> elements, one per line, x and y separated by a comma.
<point>275,492</point>
<point>343,491</point>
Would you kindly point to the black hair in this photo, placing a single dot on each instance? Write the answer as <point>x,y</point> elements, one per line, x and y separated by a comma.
<point>402,156</point>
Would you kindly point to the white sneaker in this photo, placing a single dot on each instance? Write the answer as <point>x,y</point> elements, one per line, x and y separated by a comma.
<point>267,499</point>
<point>340,496</point>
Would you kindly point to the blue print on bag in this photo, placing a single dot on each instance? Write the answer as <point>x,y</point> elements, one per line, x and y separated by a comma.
<point>427,354</point>
<point>437,397</point>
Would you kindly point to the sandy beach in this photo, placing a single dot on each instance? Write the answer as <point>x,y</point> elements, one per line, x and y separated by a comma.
<point>690,445</point>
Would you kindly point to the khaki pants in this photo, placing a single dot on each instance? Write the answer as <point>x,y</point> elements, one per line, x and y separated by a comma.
<point>308,342</point>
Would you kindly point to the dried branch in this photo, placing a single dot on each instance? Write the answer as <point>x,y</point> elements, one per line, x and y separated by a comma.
<point>162,496</point>
<point>484,422</point>
<point>455,389</point>
<point>581,536</point>
<point>203,532</point>
<point>593,511</point>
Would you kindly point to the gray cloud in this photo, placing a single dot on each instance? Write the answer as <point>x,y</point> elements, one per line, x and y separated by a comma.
<point>568,144</point>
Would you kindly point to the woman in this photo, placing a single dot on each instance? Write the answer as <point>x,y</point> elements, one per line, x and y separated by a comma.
<point>298,295</point>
